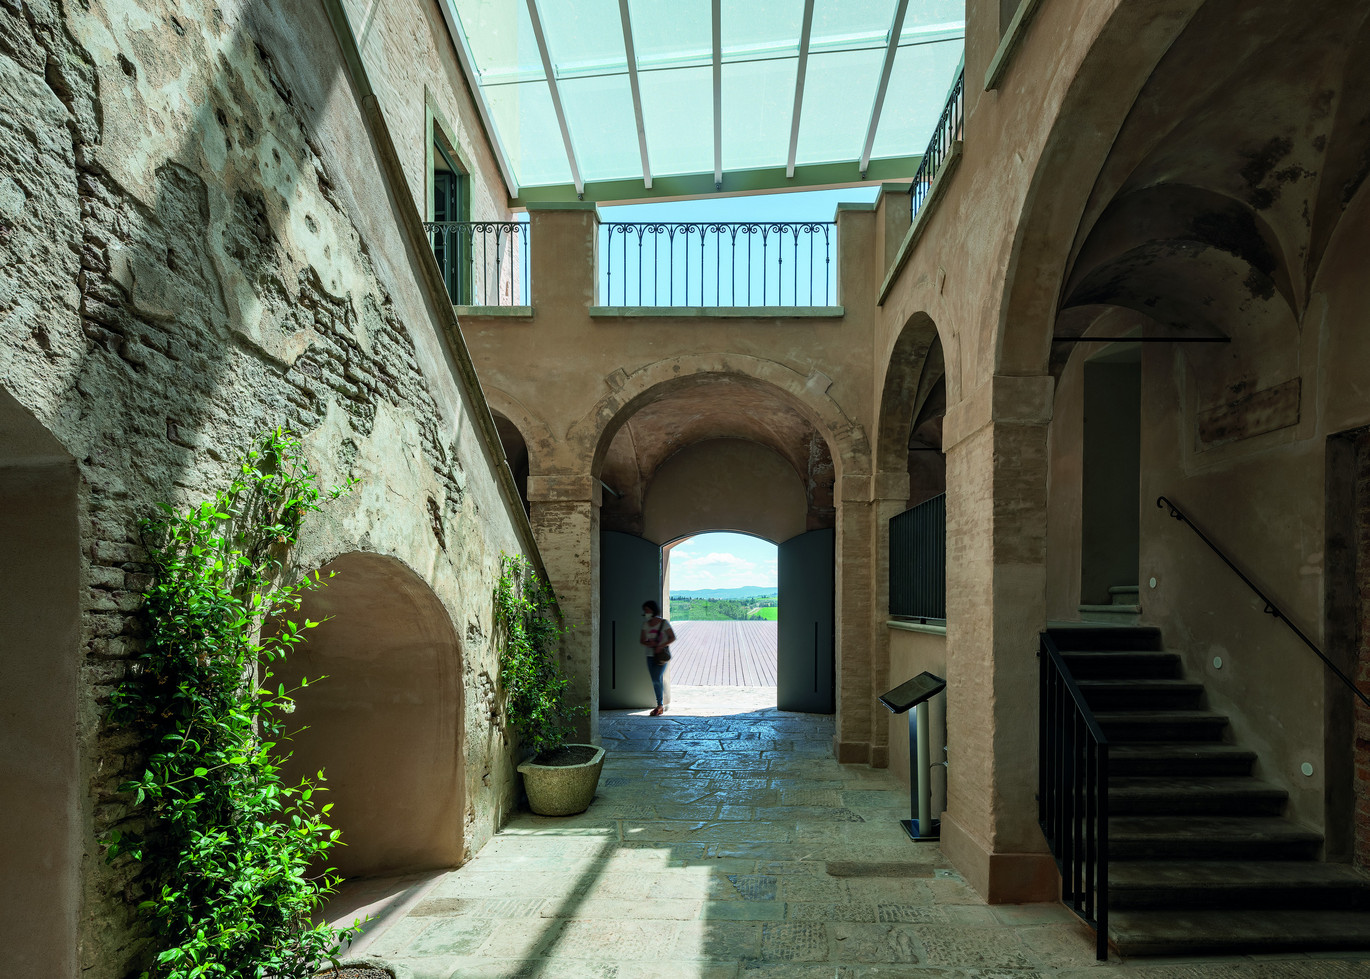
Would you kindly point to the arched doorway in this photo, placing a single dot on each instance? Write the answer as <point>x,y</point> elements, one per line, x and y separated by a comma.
<point>40,575</point>
<point>385,725</point>
<point>714,453</point>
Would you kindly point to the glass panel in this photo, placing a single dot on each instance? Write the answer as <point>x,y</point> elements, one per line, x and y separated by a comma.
<point>523,115</point>
<point>838,93</point>
<point>758,102</point>
<point>677,109</point>
<point>679,32</point>
<point>846,22</point>
<point>758,27</point>
<point>599,111</point>
<point>501,38</point>
<point>923,14</point>
<point>583,36</point>
<point>919,84</point>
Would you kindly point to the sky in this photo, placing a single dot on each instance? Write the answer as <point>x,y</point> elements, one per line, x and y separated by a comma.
<point>722,561</point>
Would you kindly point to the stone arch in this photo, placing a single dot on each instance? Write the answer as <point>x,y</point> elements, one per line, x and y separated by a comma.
<point>1120,60</point>
<point>386,724</point>
<point>588,439</point>
<point>40,619</point>
<point>536,434</point>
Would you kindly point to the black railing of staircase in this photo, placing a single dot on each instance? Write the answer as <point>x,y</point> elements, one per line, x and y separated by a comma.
<point>483,263</point>
<point>949,129</point>
<point>1072,791</point>
<point>918,561</point>
<point>1270,607</point>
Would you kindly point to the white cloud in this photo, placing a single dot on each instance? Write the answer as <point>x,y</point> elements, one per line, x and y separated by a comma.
<point>718,569</point>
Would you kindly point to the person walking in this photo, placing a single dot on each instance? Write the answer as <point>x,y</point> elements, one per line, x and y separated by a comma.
<point>657,636</point>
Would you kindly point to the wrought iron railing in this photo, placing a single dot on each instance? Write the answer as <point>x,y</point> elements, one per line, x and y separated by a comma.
<point>950,128</point>
<point>1072,791</point>
<point>483,263</point>
<point>717,263</point>
<point>1270,607</point>
<point>918,561</point>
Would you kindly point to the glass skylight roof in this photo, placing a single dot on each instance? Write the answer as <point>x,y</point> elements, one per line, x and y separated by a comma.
<point>581,126</point>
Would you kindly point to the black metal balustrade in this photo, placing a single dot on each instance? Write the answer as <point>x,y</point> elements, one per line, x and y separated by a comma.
<point>483,263</point>
<point>950,128</point>
<point>1072,792</point>
<point>918,561</point>
<point>717,263</point>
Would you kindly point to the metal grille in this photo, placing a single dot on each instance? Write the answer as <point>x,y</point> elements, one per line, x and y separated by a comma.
<point>918,561</point>
<point>483,263</point>
<point>717,263</point>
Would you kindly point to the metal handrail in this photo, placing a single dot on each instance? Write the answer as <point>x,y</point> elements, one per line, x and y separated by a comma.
<point>717,254</point>
<point>1072,791</point>
<point>1270,607</point>
<point>483,263</point>
<point>947,131</point>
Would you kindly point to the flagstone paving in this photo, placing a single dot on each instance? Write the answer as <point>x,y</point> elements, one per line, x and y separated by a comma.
<point>732,846</point>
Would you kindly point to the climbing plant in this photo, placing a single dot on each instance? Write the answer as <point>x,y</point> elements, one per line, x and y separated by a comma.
<point>536,701</point>
<point>228,847</point>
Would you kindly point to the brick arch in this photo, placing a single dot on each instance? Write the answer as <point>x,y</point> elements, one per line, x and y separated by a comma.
<point>915,364</point>
<point>537,435</point>
<point>588,439</point>
<point>1121,58</point>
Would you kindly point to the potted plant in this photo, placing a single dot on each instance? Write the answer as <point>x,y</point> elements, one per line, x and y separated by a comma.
<point>559,777</point>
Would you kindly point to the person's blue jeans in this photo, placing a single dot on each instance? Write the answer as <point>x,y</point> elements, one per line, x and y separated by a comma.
<point>658,672</point>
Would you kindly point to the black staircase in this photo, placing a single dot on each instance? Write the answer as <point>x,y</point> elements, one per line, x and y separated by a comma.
<point>1202,857</point>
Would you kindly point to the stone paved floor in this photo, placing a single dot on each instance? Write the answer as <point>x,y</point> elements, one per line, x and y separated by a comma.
<point>725,845</point>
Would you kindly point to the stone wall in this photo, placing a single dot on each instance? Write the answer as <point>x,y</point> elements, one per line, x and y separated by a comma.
<point>198,244</point>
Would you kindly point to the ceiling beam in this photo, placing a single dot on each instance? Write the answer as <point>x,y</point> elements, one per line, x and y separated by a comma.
<point>631,53</point>
<point>762,180</point>
<point>801,68</point>
<point>468,67</point>
<point>891,49</point>
<point>718,93</point>
<point>556,95</point>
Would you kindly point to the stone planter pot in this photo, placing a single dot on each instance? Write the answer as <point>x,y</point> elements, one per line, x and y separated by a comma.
<point>562,790</point>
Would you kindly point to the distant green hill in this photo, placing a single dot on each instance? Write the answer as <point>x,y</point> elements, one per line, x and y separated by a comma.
<point>746,591</point>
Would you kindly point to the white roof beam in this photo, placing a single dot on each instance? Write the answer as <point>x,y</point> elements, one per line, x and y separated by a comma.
<point>800,68</point>
<point>718,93</point>
<point>891,49</point>
<point>556,96</point>
<point>631,52</point>
<point>468,67</point>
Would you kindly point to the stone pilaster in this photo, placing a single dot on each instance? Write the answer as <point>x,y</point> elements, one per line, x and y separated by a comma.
<point>565,519</point>
<point>852,587</point>
<point>996,604</point>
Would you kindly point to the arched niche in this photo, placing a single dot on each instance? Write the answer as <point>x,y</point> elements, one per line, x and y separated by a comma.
<point>385,724</point>
<point>725,484</point>
<point>40,622</point>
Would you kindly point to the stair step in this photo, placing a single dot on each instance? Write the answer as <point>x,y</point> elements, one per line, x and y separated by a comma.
<point>1179,759</point>
<point>1093,637</point>
<point>1092,665</point>
<point>1178,932</point>
<point>1162,725</point>
<point>1124,594</point>
<point>1229,796</point>
<point>1209,838</point>
<point>1141,694</point>
<point>1232,884</point>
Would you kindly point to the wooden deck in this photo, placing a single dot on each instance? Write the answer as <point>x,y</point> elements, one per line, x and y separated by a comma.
<point>723,654</point>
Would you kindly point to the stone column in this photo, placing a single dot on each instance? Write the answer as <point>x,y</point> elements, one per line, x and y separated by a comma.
<point>852,600</point>
<point>996,442</point>
<point>565,519</point>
